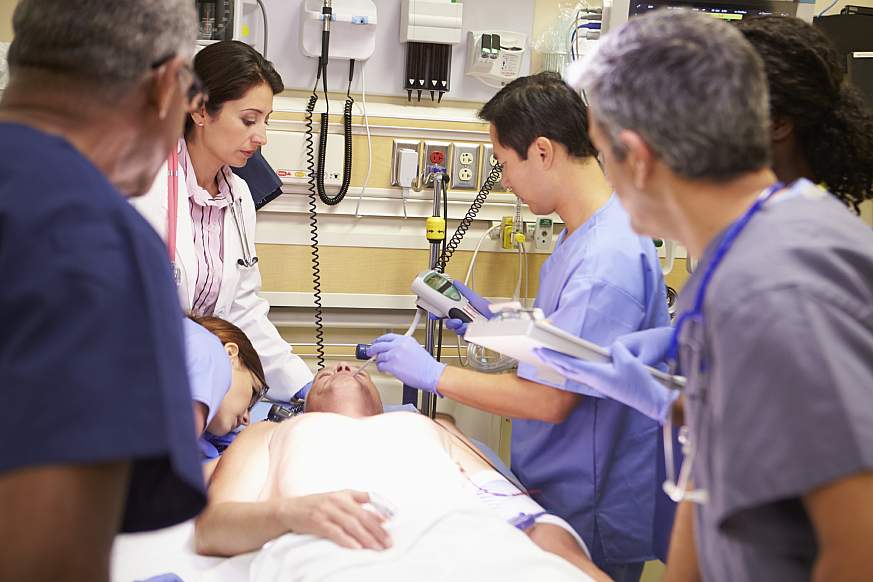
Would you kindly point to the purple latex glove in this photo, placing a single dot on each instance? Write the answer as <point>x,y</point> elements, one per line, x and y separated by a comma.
<point>481,305</point>
<point>625,378</point>
<point>403,357</point>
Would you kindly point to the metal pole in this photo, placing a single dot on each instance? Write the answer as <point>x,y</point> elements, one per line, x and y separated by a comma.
<point>428,401</point>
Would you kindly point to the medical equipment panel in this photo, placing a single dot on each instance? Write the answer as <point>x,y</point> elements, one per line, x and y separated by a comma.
<point>725,9</point>
<point>353,25</point>
<point>227,20</point>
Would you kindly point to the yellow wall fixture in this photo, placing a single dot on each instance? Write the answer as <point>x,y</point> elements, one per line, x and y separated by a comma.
<point>7,7</point>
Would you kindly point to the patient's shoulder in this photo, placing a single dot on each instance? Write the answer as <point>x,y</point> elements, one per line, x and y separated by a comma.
<point>256,433</point>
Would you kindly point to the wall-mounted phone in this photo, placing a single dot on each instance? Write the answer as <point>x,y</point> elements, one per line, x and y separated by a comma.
<point>495,57</point>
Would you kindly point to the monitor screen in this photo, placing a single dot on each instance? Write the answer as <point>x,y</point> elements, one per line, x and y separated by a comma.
<point>724,9</point>
<point>861,73</point>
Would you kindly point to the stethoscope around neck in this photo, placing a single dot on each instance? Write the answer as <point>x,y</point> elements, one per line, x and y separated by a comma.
<point>247,261</point>
<point>677,488</point>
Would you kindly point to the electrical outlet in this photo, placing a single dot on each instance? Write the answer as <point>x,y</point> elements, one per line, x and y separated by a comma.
<point>497,233</point>
<point>543,235</point>
<point>464,168</point>
<point>488,162</point>
<point>530,229</point>
<point>404,144</point>
<point>436,153</point>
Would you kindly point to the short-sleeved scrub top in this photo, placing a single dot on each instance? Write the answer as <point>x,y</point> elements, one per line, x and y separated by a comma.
<point>597,469</point>
<point>208,366</point>
<point>92,365</point>
<point>783,405</point>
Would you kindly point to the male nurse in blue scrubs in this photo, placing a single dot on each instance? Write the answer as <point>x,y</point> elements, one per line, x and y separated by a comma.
<point>587,458</point>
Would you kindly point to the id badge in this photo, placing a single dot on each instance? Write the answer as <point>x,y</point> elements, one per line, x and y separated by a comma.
<point>177,275</point>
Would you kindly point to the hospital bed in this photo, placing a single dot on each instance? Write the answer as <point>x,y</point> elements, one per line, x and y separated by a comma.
<point>145,555</point>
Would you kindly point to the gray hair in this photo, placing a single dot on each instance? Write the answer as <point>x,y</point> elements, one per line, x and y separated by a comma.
<point>690,85</point>
<point>108,42</point>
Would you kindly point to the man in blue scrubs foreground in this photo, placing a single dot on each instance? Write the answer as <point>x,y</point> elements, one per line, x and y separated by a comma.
<point>775,326</point>
<point>589,459</point>
<point>97,433</point>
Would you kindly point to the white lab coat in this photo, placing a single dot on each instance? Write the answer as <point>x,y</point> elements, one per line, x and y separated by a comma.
<point>238,301</point>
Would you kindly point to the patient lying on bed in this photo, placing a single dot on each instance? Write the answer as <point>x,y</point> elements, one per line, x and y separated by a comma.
<point>423,484</point>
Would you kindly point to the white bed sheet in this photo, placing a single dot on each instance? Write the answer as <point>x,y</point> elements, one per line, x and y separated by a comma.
<point>141,556</point>
<point>171,550</point>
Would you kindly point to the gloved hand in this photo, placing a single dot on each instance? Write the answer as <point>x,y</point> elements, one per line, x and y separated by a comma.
<point>624,379</point>
<point>301,394</point>
<point>479,304</point>
<point>403,357</point>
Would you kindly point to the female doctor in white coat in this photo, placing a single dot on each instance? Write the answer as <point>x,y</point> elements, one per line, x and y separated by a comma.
<point>213,243</point>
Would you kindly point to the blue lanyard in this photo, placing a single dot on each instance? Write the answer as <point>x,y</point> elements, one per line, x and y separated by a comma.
<point>725,245</point>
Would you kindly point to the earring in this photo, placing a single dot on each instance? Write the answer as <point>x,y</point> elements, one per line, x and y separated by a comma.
<point>200,124</point>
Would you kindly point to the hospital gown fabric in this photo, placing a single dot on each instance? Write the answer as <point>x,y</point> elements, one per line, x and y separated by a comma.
<point>787,401</point>
<point>91,352</point>
<point>597,469</point>
<point>208,367</point>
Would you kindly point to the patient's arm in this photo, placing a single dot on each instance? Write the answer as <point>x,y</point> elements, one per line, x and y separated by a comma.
<point>235,521</point>
<point>232,523</point>
<point>549,537</point>
<point>558,541</point>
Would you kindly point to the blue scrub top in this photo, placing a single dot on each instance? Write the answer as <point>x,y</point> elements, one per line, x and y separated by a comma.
<point>208,367</point>
<point>92,364</point>
<point>597,469</point>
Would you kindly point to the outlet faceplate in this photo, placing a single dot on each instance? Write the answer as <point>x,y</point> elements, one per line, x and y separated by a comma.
<point>436,153</point>
<point>465,167</point>
<point>404,144</point>
<point>488,162</point>
<point>543,235</point>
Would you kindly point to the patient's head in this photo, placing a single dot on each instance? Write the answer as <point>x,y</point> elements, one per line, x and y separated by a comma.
<point>338,389</point>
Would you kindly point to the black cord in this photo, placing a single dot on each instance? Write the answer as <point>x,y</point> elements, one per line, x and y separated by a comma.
<point>464,225</point>
<point>347,136</point>
<point>266,29</point>
<point>313,223</point>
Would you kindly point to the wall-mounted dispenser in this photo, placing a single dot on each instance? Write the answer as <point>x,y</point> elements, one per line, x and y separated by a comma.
<point>495,57</point>
<point>429,28</point>
<point>353,29</point>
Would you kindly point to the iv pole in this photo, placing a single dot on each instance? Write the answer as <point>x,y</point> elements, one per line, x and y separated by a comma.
<point>436,235</point>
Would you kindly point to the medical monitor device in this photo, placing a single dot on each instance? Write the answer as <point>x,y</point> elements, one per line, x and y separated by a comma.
<point>438,295</point>
<point>230,20</point>
<point>729,10</point>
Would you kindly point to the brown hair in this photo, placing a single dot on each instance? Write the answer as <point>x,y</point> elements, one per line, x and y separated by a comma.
<point>228,69</point>
<point>228,333</point>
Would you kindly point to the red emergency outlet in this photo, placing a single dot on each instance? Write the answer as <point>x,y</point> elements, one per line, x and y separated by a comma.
<point>437,157</point>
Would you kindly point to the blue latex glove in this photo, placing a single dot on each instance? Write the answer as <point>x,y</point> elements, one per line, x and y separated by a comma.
<point>403,357</point>
<point>301,394</point>
<point>481,305</point>
<point>624,379</point>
